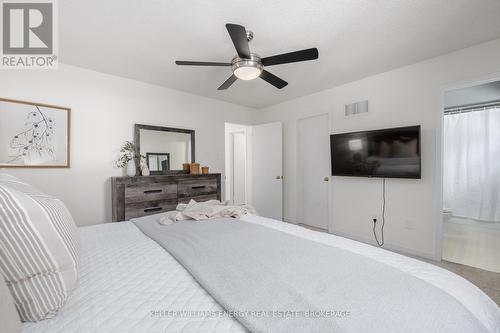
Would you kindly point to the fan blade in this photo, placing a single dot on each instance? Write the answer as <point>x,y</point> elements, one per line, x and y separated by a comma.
<point>228,82</point>
<point>238,35</point>
<point>285,58</point>
<point>273,79</point>
<point>202,63</point>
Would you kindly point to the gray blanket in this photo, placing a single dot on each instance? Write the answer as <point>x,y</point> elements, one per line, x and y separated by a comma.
<point>275,282</point>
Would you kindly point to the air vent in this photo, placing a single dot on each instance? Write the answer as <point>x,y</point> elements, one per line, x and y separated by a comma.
<point>356,108</point>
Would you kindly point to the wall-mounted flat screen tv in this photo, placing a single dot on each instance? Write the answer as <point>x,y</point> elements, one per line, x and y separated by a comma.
<point>387,153</point>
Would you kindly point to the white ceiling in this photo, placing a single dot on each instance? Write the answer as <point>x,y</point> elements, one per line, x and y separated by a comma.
<point>141,39</point>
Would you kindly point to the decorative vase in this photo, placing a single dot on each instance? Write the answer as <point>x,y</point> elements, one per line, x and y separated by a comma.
<point>194,168</point>
<point>145,170</point>
<point>131,168</point>
<point>204,170</point>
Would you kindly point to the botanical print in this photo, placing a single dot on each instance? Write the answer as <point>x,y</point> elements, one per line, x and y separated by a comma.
<point>33,135</point>
<point>34,142</point>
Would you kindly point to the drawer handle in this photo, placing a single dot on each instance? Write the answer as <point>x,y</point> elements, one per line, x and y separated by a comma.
<point>152,209</point>
<point>152,191</point>
<point>198,187</point>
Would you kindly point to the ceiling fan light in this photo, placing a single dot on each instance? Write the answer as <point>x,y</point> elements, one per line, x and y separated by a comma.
<point>247,68</point>
<point>247,72</point>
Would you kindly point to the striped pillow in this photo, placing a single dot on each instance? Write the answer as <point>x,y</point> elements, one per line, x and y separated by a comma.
<point>18,184</point>
<point>38,249</point>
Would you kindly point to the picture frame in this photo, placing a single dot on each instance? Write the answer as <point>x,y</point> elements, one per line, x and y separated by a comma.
<point>158,161</point>
<point>34,135</point>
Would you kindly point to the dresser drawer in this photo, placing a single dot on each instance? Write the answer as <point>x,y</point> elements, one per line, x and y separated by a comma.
<point>199,198</point>
<point>148,192</point>
<point>148,208</point>
<point>196,187</point>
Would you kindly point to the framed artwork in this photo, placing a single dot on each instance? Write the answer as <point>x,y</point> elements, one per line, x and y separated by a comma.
<point>34,135</point>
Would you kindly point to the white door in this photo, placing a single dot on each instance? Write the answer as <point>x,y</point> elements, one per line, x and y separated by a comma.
<point>313,170</point>
<point>239,168</point>
<point>267,186</point>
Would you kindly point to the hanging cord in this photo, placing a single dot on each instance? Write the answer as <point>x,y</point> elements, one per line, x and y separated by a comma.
<point>383,217</point>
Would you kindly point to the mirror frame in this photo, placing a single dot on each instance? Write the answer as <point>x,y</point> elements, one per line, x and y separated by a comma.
<point>137,142</point>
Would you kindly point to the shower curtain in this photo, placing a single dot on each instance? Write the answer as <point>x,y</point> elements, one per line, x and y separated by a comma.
<point>472,164</point>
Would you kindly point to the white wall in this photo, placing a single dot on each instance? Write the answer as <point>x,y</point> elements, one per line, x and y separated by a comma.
<point>104,111</point>
<point>406,96</point>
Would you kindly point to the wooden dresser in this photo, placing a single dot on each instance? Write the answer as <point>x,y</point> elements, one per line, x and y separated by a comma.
<point>145,195</point>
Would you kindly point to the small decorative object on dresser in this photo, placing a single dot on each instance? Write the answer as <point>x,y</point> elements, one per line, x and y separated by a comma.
<point>34,135</point>
<point>144,167</point>
<point>204,170</point>
<point>131,168</point>
<point>139,196</point>
<point>194,168</point>
<point>186,166</point>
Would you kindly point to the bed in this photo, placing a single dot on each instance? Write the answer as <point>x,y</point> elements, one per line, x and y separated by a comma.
<point>129,283</point>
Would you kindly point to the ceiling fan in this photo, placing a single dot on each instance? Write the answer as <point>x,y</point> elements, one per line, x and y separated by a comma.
<point>247,65</point>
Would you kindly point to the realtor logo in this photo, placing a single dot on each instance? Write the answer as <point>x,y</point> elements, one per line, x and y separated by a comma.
<point>28,34</point>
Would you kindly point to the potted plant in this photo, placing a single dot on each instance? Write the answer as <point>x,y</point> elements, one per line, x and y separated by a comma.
<point>127,158</point>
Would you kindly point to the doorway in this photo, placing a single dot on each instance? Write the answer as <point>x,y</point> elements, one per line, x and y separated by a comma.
<point>313,170</point>
<point>236,175</point>
<point>253,167</point>
<point>471,176</point>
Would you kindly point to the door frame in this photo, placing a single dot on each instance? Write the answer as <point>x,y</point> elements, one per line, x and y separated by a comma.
<point>440,150</point>
<point>298,210</point>
<point>231,162</point>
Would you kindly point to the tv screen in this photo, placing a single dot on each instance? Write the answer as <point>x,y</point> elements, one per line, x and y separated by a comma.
<point>388,153</point>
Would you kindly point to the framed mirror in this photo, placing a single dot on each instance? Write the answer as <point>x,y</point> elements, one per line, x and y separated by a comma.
<point>165,148</point>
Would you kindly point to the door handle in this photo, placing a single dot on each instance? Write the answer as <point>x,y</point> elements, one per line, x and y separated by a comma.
<point>326,179</point>
<point>279,177</point>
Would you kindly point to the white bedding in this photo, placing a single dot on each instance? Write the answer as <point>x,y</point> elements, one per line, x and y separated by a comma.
<point>125,275</point>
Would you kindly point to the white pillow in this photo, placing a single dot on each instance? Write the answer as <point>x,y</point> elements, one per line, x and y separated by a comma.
<point>39,249</point>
